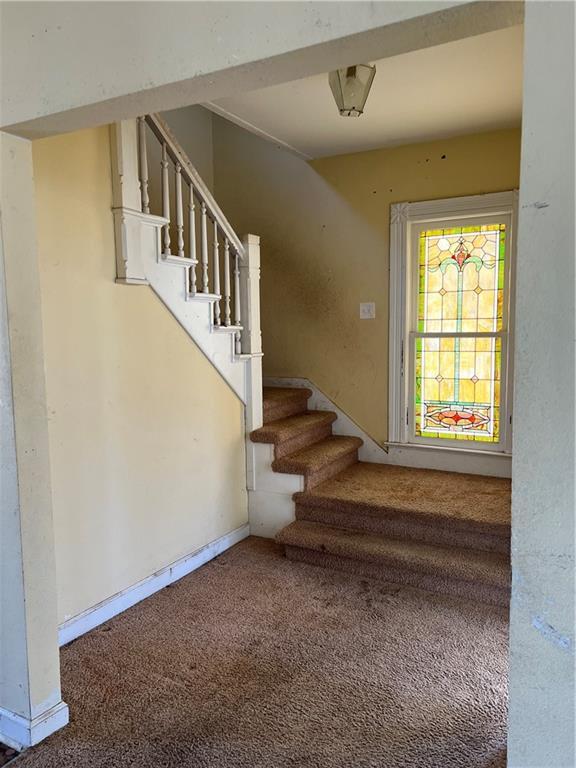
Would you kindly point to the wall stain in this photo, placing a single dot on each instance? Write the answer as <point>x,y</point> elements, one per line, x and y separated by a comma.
<point>552,634</point>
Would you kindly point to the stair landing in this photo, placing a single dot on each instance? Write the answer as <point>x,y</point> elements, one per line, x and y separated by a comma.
<point>472,501</point>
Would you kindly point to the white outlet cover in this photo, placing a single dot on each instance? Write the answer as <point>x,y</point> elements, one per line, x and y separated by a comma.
<point>367,310</point>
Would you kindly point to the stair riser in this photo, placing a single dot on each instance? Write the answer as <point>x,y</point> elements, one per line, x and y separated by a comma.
<point>330,470</point>
<point>282,410</point>
<point>302,440</point>
<point>440,584</point>
<point>399,527</point>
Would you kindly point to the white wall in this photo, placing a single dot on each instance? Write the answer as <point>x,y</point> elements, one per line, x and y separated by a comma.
<point>30,698</point>
<point>123,59</point>
<point>146,439</point>
<point>542,680</point>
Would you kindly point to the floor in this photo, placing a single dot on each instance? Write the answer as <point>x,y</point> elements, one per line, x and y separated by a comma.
<point>254,661</point>
<point>7,754</point>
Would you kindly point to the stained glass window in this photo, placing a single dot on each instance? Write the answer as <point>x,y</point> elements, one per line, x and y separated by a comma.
<point>461,292</point>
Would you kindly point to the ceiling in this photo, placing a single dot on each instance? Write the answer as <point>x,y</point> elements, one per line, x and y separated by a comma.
<point>466,86</point>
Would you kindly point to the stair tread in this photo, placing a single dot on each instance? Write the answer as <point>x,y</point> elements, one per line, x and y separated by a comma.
<point>463,564</point>
<point>472,501</point>
<point>314,457</point>
<point>291,426</point>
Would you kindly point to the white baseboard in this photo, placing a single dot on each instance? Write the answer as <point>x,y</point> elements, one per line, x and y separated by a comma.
<point>19,732</point>
<point>417,456</point>
<point>112,606</point>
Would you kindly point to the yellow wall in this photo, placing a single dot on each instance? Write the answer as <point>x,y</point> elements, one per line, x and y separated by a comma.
<point>325,241</point>
<point>146,439</point>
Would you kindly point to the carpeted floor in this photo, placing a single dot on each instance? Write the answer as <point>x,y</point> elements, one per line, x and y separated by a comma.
<point>254,661</point>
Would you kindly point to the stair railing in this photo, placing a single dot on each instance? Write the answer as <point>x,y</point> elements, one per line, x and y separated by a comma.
<point>164,212</point>
<point>212,244</point>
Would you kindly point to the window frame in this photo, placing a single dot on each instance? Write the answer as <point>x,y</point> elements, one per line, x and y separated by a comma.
<point>405,219</point>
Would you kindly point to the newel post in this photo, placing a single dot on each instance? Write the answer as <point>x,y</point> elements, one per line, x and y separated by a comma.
<point>135,232</point>
<point>251,336</point>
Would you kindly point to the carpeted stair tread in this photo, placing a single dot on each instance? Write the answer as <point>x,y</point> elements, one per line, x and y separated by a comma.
<point>315,457</point>
<point>320,461</point>
<point>281,402</point>
<point>489,568</point>
<point>471,502</point>
<point>285,429</point>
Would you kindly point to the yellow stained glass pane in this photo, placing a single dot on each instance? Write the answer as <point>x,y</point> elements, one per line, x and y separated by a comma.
<point>447,389</point>
<point>482,392</point>
<point>434,306</point>
<point>447,364</point>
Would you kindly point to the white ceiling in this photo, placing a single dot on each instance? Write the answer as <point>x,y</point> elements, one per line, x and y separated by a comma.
<point>462,87</point>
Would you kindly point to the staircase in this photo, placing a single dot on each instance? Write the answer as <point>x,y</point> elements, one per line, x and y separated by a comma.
<point>438,531</point>
<point>172,236</point>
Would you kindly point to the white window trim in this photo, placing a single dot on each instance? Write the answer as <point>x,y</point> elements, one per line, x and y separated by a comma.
<point>402,216</point>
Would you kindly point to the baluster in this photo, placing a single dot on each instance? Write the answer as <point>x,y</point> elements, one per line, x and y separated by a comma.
<point>179,211</point>
<point>143,156</point>
<point>165,199</point>
<point>205,288</point>
<point>192,221</point>
<point>216,274</point>
<point>226,282</point>
<point>237,318</point>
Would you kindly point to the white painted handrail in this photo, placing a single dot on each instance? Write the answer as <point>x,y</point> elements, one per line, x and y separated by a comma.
<point>165,136</point>
<point>174,161</point>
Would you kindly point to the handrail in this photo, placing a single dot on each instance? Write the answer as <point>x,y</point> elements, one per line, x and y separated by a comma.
<point>163,133</point>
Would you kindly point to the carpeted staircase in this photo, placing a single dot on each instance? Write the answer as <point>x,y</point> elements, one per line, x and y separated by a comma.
<point>437,531</point>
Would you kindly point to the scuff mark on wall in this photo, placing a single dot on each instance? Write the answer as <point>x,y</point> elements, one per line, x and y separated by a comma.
<point>552,634</point>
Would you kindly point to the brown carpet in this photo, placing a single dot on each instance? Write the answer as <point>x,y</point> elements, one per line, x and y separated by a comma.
<point>320,461</point>
<point>280,402</point>
<point>295,432</point>
<point>471,501</point>
<point>445,532</point>
<point>254,661</point>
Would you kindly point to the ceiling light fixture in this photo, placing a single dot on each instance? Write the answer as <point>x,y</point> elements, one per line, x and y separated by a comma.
<point>351,86</point>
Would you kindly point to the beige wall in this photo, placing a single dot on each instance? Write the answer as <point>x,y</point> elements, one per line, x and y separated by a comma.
<point>324,228</point>
<point>146,439</point>
<point>193,128</point>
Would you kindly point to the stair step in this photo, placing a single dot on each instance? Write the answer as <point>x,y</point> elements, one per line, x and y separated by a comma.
<point>381,498</point>
<point>404,525</point>
<point>295,432</point>
<point>478,575</point>
<point>281,402</point>
<point>321,461</point>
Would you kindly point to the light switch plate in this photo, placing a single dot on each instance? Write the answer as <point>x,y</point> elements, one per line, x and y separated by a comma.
<point>367,310</point>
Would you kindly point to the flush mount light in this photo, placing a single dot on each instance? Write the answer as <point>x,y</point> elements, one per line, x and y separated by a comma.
<point>351,87</point>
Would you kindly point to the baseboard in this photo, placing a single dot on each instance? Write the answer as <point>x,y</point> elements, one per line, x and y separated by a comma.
<point>112,606</point>
<point>19,732</point>
<point>416,456</point>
